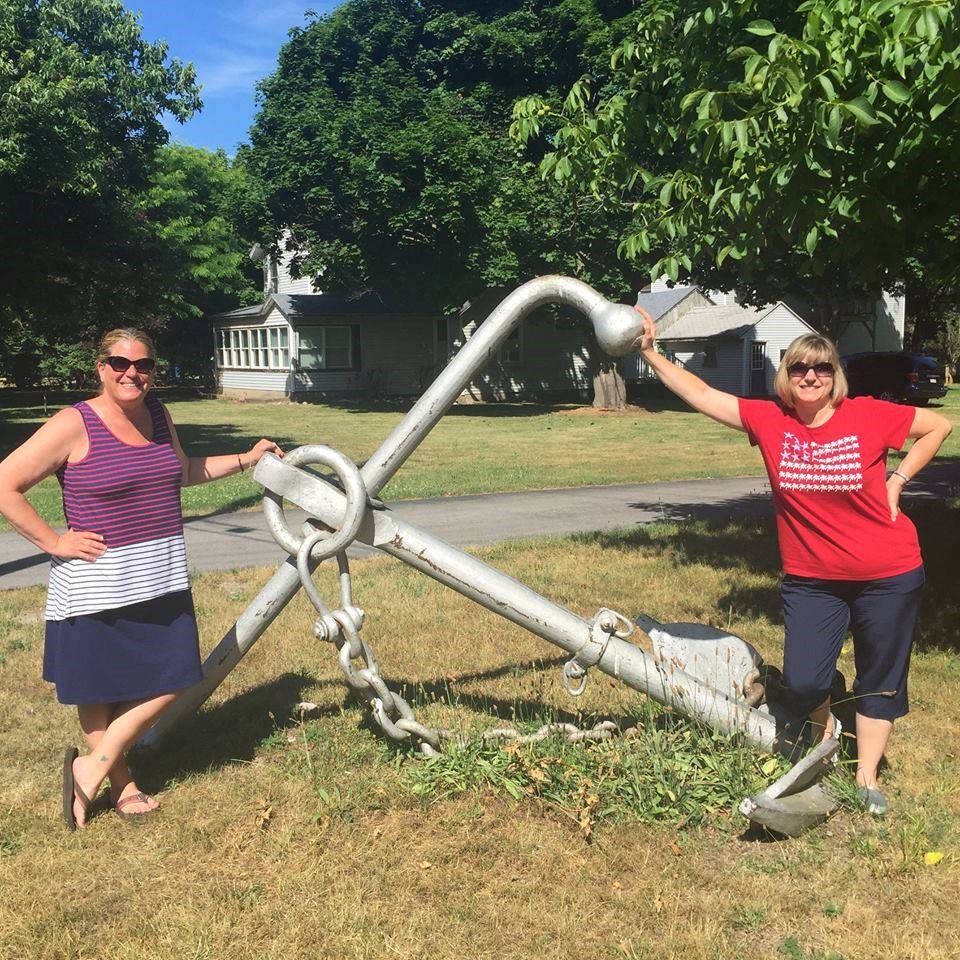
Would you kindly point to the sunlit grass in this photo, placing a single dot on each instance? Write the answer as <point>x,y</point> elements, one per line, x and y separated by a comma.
<point>286,834</point>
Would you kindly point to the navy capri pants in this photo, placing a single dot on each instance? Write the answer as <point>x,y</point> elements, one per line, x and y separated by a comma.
<point>881,614</point>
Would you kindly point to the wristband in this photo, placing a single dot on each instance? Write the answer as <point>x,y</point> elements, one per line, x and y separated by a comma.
<point>902,476</point>
<point>239,461</point>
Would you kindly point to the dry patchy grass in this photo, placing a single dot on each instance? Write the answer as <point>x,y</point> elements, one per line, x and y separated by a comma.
<point>288,838</point>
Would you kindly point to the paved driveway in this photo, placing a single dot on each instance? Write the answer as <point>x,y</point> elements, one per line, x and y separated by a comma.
<point>231,540</point>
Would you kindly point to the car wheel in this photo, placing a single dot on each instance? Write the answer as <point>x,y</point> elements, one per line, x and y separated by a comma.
<point>888,395</point>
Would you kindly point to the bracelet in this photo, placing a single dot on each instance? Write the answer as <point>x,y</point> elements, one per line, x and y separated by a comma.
<point>239,461</point>
<point>902,476</point>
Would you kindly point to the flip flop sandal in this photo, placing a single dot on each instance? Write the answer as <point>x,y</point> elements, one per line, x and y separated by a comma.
<point>872,800</point>
<point>71,790</point>
<point>138,797</point>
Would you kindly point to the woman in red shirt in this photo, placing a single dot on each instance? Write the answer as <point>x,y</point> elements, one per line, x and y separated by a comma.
<point>850,557</point>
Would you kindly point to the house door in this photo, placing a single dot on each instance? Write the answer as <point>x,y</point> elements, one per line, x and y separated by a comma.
<point>758,369</point>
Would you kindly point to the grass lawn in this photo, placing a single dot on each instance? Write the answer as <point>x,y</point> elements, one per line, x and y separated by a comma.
<point>289,836</point>
<point>474,449</point>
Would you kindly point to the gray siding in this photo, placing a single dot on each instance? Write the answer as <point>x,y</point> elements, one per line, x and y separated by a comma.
<point>778,329</point>
<point>554,362</point>
<point>631,366</point>
<point>727,375</point>
<point>255,382</point>
<point>396,358</point>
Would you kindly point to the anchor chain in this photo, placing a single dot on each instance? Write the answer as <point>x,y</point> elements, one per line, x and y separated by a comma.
<point>341,626</point>
<point>393,713</point>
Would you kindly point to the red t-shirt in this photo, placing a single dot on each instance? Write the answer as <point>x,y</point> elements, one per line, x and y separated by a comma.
<point>829,488</point>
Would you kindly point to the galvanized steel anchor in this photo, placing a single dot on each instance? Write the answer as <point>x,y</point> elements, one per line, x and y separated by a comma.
<point>700,672</point>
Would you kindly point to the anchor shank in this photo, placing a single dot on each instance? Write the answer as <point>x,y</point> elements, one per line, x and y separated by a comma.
<point>253,622</point>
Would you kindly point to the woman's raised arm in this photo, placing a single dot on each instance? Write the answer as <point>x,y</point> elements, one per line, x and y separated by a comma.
<point>713,403</point>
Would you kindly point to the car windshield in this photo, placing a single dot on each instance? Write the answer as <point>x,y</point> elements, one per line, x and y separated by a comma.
<point>927,365</point>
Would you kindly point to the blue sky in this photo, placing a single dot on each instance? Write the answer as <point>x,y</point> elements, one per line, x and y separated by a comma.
<point>232,44</point>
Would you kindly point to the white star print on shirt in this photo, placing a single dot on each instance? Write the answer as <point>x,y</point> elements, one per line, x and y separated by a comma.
<point>833,467</point>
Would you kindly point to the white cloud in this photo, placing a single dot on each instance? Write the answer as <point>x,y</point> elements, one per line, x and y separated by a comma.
<point>259,17</point>
<point>229,71</point>
<point>245,49</point>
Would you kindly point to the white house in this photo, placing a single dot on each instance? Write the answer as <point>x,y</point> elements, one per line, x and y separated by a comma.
<point>300,343</point>
<point>733,348</point>
<point>870,325</point>
<point>546,356</point>
<point>876,326</point>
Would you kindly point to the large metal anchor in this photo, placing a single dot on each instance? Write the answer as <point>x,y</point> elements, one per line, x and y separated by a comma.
<point>699,672</point>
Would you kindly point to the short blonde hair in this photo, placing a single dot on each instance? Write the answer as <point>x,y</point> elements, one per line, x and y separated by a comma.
<point>811,348</point>
<point>113,337</point>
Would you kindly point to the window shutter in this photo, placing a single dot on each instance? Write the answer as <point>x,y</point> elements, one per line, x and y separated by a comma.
<point>355,346</point>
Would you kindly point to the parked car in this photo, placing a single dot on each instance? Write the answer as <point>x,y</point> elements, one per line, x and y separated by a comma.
<point>904,377</point>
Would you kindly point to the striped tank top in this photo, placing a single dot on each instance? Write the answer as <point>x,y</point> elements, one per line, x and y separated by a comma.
<point>131,496</point>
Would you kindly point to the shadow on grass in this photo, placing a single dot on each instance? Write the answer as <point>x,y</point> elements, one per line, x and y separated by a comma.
<point>711,536</point>
<point>227,732</point>
<point>235,729</point>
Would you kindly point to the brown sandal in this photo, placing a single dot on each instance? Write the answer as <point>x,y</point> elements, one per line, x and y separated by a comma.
<point>138,797</point>
<point>71,790</point>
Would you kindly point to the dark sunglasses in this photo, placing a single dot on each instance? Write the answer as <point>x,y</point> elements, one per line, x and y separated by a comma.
<point>799,369</point>
<point>122,364</point>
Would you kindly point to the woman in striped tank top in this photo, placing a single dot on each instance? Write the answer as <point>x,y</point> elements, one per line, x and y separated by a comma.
<point>121,635</point>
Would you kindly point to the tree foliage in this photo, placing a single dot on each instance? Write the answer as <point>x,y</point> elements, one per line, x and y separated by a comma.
<point>382,145</point>
<point>82,97</point>
<point>768,146</point>
<point>200,263</point>
<point>100,222</point>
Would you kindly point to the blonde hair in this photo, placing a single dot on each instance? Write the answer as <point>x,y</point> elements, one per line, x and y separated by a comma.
<point>811,348</point>
<point>113,337</point>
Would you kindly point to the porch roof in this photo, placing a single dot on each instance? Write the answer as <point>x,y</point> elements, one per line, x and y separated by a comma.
<point>304,306</point>
<point>702,322</point>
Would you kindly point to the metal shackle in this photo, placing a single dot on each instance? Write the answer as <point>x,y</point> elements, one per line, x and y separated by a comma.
<point>353,487</point>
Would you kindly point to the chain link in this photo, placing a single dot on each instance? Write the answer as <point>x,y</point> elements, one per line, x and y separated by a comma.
<point>393,713</point>
<point>341,627</point>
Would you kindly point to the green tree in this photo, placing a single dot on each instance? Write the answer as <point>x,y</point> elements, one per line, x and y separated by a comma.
<point>82,94</point>
<point>807,148</point>
<point>382,144</point>
<point>200,263</point>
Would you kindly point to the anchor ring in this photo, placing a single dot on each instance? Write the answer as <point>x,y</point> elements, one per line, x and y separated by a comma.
<point>356,506</point>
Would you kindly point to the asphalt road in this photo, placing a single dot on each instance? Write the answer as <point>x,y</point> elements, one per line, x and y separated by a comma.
<point>229,541</point>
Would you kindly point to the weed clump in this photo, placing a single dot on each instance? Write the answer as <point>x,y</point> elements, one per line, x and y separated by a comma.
<point>665,771</point>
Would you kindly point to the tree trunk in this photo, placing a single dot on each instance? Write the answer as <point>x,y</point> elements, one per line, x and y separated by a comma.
<point>609,389</point>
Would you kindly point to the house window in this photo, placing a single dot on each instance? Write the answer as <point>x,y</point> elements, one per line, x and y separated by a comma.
<point>326,348</point>
<point>254,348</point>
<point>710,356</point>
<point>511,350</point>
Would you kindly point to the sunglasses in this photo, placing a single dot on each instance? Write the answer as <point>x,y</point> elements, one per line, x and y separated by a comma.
<point>122,364</point>
<point>800,369</point>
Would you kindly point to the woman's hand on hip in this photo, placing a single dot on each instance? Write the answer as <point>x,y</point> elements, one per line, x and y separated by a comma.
<point>894,488</point>
<point>79,545</point>
<point>258,450</point>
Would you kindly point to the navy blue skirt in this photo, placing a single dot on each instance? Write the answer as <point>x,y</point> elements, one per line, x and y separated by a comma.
<point>132,653</point>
